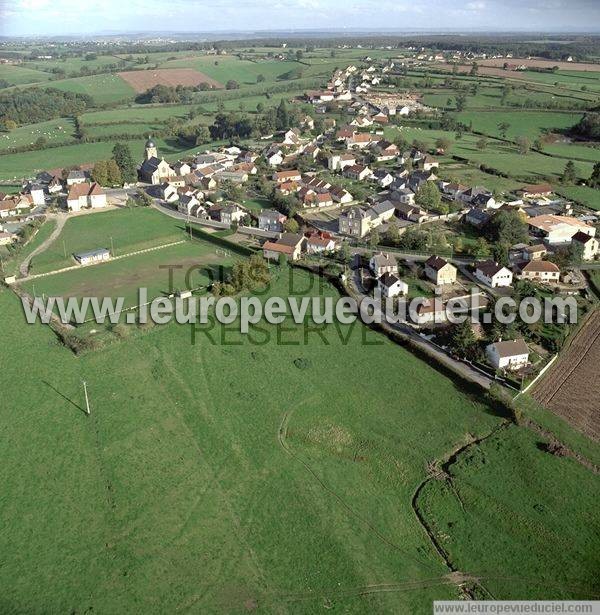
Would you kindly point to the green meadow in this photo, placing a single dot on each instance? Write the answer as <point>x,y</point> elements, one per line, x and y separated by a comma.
<point>124,230</point>
<point>16,74</point>
<point>221,471</point>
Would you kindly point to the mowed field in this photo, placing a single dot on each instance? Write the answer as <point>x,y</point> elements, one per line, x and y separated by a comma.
<point>571,388</point>
<point>27,164</point>
<point>126,230</point>
<point>238,472</point>
<point>142,80</point>
<point>193,264</point>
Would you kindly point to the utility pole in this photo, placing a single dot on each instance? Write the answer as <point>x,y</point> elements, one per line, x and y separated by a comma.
<point>112,247</point>
<point>64,248</point>
<point>87,401</point>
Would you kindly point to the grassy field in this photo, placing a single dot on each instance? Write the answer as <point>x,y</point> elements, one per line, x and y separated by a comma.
<point>10,265</point>
<point>103,88</point>
<point>21,75</point>
<point>257,204</point>
<point>136,113</point>
<point>245,72</point>
<point>213,476</point>
<point>521,123</point>
<point>54,131</point>
<point>582,194</point>
<point>509,482</point>
<point>27,164</point>
<point>130,229</point>
<point>198,263</point>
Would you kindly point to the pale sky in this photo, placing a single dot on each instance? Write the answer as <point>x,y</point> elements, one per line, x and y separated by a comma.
<point>83,17</point>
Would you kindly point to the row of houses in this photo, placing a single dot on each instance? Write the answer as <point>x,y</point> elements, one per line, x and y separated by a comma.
<point>294,245</point>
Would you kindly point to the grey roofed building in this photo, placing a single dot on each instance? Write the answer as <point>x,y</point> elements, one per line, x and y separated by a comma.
<point>477,217</point>
<point>388,279</point>
<point>384,260</point>
<point>380,208</point>
<point>481,200</point>
<point>149,166</point>
<point>44,177</point>
<point>290,239</point>
<point>98,254</point>
<point>511,348</point>
<point>476,191</point>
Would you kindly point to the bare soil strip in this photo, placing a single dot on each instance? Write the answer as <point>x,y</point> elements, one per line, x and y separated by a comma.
<point>142,80</point>
<point>571,388</point>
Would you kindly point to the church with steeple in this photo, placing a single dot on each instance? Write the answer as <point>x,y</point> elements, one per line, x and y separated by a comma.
<point>154,170</point>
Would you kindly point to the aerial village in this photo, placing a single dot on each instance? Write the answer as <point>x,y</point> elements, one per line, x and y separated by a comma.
<point>352,193</point>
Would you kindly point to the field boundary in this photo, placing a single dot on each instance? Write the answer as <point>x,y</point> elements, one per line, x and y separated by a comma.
<point>112,259</point>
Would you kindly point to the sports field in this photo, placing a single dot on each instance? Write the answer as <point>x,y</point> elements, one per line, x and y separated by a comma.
<point>194,265</point>
<point>126,230</point>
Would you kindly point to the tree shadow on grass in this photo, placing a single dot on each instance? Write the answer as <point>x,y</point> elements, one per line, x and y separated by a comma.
<point>65,397</point>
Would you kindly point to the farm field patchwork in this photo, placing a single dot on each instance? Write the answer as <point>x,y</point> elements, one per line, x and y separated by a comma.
<point>103,88</point>
<point>245,72</point>
<point>142,80</point>
<point>21,75</point>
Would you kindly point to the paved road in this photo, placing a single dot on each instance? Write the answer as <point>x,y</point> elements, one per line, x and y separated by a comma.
<point>464,369</point>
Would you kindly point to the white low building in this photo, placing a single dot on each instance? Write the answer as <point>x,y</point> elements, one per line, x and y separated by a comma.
<point>93,256</point>
<point>510,355</point>
<point>493,274</point>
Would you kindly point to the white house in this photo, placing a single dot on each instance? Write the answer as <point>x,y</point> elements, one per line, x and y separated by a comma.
<point>339,161</point>
<point>510,355</point>
<point>558,230</point>
<point>320,242</point>
<point>440,271</point>
<point>493,274</point>
<point>392,286</point>
<point>38,194</point>
<point>168,192</point>
<point>86,195</point>
<point>383,263</point>
<point>76,177</point>
<point>589,245</point>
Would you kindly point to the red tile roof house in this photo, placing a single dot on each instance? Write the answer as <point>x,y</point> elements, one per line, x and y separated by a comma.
<point>360,140</point>
<point>286,188</point>
<point>535,190</point>
<point>289,244</point>
<point>282,177</point>
<point>314,199</point>
<point>320,242</point>
<point>540,271</point>
<point>85,195</point>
